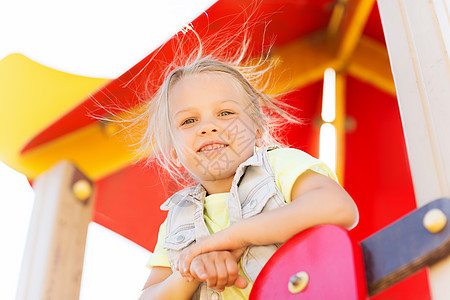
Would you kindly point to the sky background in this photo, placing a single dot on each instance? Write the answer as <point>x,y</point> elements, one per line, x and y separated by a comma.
<point>97,39</point>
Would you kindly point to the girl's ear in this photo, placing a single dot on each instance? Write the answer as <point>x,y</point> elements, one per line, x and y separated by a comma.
<point>174,155</point>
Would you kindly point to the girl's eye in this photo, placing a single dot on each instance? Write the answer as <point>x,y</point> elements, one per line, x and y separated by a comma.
<point>187,122</point>
<point>225,113</point>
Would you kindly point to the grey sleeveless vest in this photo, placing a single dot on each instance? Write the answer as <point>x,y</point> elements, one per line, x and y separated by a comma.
<point>253,191</point>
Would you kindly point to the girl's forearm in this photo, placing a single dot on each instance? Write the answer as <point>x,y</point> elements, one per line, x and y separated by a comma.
<point>172,288</point>
<point>317,200</point>
<point>320,206</point>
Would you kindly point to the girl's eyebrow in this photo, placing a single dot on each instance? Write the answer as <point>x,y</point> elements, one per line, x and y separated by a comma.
<point>184,110</point>
<point>189,108</point>
<point>230,100</point>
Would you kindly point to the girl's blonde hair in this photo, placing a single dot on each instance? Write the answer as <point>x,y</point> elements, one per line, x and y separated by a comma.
<point>266,112</point>
<point>157,139</point>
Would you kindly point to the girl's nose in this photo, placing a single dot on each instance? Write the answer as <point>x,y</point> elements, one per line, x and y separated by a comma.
<point>209,129</point>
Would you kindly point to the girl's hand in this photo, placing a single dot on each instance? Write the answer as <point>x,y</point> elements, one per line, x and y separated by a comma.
<point>220,241</point>
<point>219,269</point>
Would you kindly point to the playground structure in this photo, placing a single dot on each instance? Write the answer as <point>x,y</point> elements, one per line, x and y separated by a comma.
<point>386,176</point>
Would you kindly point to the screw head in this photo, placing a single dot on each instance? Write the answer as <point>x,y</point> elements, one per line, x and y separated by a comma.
<point>82,189</point>
<point>298,282</point>
<point>434,220</point>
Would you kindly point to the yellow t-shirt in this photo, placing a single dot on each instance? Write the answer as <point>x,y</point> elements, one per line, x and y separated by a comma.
<point>287,164</point>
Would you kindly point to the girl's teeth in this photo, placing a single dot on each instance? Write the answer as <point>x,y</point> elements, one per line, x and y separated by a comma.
<point>211,147</point>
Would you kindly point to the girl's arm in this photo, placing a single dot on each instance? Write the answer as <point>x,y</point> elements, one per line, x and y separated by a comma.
<point>162,284</point>
<point>317,199</point>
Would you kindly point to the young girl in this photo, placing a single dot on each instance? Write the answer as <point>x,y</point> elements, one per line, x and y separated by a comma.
<point>250,197</point>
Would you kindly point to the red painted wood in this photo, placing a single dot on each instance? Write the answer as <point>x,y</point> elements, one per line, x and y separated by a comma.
<point>128,202</point>
<point>330,256</point>
<point>307,101</point>
<point>377,173</point>
<point>373,28</point>
<point>411,288</point>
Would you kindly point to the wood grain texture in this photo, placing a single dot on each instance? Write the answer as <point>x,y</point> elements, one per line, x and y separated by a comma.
<point>54,253</point>
<point>404,247</point>
<point>66,253</point>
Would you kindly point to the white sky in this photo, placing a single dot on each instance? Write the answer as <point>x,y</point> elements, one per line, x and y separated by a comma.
<point>91,38</point>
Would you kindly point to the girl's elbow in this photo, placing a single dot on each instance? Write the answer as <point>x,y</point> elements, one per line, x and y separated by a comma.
<point>348,214</point>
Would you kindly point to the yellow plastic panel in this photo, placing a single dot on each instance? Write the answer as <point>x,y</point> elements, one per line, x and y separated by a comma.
<point>32,97</point>
<point>91,148</point>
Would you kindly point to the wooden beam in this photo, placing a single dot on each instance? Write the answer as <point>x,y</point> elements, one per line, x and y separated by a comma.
<point>337,16</point>
<point>419,239</point>
<point>351,27</point>
<point>370,63</point>
<point>54,252</point>
<point>304,61</point>
<point>339,124</point>
<point>421,67</point>
<point>300,63</point>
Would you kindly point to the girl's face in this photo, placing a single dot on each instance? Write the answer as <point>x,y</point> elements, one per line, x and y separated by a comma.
<point>213,129</point>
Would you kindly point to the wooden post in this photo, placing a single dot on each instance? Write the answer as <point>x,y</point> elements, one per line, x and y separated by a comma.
<point>417,36</point>
<point>340,124</point>
<point>54,253</point>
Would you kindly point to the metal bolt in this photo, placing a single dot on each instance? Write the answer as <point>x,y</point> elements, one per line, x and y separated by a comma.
<point>298,282</point>
<point>82,189</point>
<point>434,220</point>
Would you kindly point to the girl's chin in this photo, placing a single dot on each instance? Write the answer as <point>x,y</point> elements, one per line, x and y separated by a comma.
<point>215,165</point>
<point>215,175</point>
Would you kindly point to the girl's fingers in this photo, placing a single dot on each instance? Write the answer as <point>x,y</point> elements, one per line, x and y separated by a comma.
<point>240,282</point>
<point>186,258</point>
<point>219,241</point>
<point>184,262</point>
<point>218,269</point>
<point>221,274</point>
<point>232,270</point>
<point>211,272</point>
<point>198,270</point>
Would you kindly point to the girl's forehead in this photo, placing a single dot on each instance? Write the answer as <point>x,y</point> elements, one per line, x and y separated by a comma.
<point>206,86</point>
<point>216,78</point>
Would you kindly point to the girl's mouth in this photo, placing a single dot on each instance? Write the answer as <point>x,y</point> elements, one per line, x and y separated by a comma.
<point>212,147</point>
